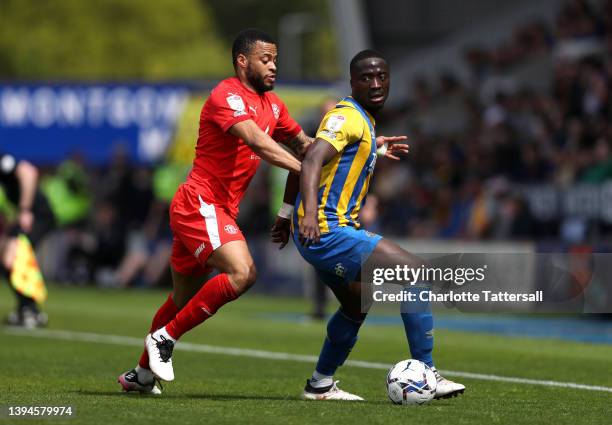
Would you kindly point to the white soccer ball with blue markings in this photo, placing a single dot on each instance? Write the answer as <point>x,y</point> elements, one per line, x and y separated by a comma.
<point>411,382</point>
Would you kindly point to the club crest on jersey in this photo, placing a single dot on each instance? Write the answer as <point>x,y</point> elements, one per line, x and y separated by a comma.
<point>275,110</point>
<point>235,102</point>
<point>340,269</point>
<point>231,229</point>
<point>335,123</point>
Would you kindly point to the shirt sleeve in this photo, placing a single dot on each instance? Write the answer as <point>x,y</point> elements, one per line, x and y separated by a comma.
<point>286,127</point>
<point>341,127</point>
<point>227,108</point>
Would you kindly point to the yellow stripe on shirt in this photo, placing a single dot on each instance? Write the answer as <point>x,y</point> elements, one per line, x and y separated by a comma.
<point>351,180</point>
<point>327,177</point>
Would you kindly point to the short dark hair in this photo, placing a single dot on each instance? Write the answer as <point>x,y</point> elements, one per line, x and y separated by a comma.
<point>246,39</point>
<point>364,54</point>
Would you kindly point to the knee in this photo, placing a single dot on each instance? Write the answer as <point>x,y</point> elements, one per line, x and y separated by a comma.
<point>354,314</point>
<point>344,326</point>
<point>243,276</point>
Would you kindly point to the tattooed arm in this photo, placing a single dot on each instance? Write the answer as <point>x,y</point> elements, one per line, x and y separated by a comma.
<point>299,144</point>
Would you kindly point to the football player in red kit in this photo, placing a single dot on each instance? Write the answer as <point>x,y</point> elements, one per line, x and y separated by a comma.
<point>240,125</point>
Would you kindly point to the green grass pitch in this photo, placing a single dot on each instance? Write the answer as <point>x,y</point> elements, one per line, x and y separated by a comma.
<point>218,388</point>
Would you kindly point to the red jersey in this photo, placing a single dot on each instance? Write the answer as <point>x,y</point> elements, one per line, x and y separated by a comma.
<point>224,165</point>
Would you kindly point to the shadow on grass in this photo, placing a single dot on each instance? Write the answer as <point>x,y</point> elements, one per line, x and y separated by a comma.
<point>185,396</point>
<point>212,397</point>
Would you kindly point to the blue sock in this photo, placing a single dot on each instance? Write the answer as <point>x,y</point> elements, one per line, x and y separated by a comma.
<point>341,338</point>
<point>418,324</point>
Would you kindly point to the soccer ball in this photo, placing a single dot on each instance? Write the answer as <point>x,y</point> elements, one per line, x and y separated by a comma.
<point>411,382</point>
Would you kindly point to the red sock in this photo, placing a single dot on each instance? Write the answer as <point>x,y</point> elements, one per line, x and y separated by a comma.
<point>215,293</point>
<point>165,313</point>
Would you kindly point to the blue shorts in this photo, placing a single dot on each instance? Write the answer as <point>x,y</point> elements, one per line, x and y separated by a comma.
<point>338,256</point>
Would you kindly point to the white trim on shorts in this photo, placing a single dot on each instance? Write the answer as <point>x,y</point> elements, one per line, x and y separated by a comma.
<point>212,227</point>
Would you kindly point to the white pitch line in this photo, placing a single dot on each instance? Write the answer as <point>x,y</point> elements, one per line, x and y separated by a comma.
<point>272,355</point>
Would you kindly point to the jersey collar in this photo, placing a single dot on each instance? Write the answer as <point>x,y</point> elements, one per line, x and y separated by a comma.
<point>352,103</point>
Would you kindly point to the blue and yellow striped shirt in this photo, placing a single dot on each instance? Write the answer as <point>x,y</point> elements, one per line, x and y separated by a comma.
<point>346,177</point>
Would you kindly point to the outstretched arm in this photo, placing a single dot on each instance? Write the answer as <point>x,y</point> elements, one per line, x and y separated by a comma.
<point>316,157</point>
<point>264,146</point>
<point>389,146</point>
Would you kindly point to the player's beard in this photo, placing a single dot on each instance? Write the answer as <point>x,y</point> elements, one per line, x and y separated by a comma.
<point>257,82</point>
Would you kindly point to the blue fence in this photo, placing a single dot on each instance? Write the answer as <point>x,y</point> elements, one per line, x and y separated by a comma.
<point>46,123</point>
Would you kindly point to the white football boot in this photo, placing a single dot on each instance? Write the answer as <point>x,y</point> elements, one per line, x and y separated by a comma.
<point>446,388</point>
<point>160,357</point>
<point>328,393</point>
<point>129,381</point>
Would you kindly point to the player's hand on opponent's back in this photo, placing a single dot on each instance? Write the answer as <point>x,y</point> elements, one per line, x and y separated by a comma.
<point>394,148</point>
<point>309,231</point>
<point>280,231</point>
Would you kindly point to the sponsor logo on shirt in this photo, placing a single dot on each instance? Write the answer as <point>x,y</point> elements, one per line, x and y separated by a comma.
<point>253,109</point>
<point>254,157</point>
<point>335,123</point>
<point>275,110</point>
<point>372,164</point>
<point>231,229</point>
<point>235,102</point>
<point>327,133</point>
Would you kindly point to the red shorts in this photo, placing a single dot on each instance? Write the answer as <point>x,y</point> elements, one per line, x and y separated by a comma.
<point>198,229</point>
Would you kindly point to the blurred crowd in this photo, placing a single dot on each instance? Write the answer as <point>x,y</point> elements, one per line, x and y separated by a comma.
<point>113,225</point>
<point>535,110</point>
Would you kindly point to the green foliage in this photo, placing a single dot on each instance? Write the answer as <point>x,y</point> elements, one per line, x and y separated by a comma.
<point>145,39</point>
<point>319,50</point>
<point>110,39</point>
